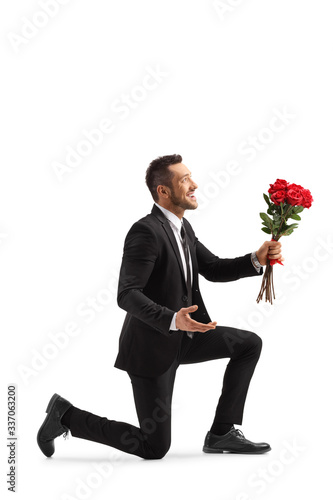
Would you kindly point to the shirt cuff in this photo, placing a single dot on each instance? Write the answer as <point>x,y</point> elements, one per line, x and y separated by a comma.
<point>256,264</point>
<point>173,323</point>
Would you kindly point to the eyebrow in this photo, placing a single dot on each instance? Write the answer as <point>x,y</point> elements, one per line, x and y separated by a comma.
<point>186,175</point>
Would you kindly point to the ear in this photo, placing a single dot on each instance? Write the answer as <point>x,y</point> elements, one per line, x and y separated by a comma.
<point>162,191</point>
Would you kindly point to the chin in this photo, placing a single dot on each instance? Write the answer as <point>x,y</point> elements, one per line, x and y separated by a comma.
<point>193,206</point>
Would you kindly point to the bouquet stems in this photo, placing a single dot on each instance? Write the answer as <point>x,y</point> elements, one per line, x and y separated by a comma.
<point>267,285</point>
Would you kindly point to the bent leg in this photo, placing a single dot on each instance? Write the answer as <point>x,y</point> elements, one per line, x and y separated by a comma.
<point>153,404</point>
<point>243,348</point>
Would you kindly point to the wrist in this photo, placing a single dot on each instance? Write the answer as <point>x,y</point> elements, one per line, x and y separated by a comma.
<point>255,260</point>
<point>173,325</point>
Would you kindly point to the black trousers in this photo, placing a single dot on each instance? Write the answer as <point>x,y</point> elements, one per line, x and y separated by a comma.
<point>153,395</point>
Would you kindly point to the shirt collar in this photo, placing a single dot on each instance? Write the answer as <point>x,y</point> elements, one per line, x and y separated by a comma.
<point>171,217</point>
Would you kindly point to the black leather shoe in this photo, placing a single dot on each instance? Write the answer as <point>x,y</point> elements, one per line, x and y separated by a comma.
<point>232,442</point>
<point>52,426</point>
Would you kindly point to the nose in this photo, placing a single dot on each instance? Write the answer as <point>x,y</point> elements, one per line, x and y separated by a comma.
<point>194,184</point>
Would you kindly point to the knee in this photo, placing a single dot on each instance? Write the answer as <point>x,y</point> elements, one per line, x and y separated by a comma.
<point>162,450</point>
<point>158,452</point>
<point>255,343</point>
<point>250,344</point>
<point>161,453</point>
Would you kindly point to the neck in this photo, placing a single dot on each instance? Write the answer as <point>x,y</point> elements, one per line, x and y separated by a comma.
<point>175,209</point>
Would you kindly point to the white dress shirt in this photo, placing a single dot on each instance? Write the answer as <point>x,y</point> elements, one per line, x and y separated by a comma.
<point>176,225</point>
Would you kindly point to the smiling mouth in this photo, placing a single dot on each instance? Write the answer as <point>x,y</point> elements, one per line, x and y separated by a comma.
<point>191,195</point>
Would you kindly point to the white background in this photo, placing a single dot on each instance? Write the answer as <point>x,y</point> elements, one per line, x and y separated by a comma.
<point>224,76</point>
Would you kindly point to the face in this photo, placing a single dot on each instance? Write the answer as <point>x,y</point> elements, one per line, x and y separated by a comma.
<point>181,195</point>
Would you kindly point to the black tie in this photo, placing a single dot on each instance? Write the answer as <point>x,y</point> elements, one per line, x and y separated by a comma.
<point>188,271</point>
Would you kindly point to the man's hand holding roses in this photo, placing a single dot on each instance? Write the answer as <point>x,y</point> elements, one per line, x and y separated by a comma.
<point>269,250</point>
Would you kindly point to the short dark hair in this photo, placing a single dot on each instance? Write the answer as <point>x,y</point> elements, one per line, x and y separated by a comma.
<point>158,173</point>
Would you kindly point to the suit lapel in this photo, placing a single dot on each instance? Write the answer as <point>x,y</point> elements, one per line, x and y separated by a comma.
<point>166,226</point>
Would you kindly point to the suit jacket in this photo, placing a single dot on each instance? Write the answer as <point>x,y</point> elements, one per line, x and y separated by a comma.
<point>152,288</point>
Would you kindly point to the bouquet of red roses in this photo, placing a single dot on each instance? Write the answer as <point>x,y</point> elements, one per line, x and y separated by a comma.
<point>285,201</point>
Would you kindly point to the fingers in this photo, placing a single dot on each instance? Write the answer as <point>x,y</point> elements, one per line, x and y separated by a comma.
<point>189,309</point>
<point>195,326</point>
<point>274,254</point>
<point>191,325</point>
<point>274,250</point>
<point>274,245</point>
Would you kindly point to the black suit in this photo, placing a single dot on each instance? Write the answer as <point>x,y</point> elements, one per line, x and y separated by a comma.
<point>152,288</point>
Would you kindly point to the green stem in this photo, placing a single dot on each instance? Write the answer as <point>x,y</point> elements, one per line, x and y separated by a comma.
<point>283,216</point>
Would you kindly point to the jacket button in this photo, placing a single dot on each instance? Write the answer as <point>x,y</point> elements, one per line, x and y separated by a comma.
<point>184,298</point>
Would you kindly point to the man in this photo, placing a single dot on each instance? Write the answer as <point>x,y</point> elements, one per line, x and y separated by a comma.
<point>166,325</point>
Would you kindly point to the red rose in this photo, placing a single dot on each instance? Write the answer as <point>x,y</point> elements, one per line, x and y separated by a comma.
<point>307,198</point>
<point>278,197</point>
<point>278,185</point>
<point>295,194</point>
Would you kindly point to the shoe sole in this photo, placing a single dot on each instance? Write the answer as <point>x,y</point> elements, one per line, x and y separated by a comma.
<point>219,450</point>
<point>48,410</point>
